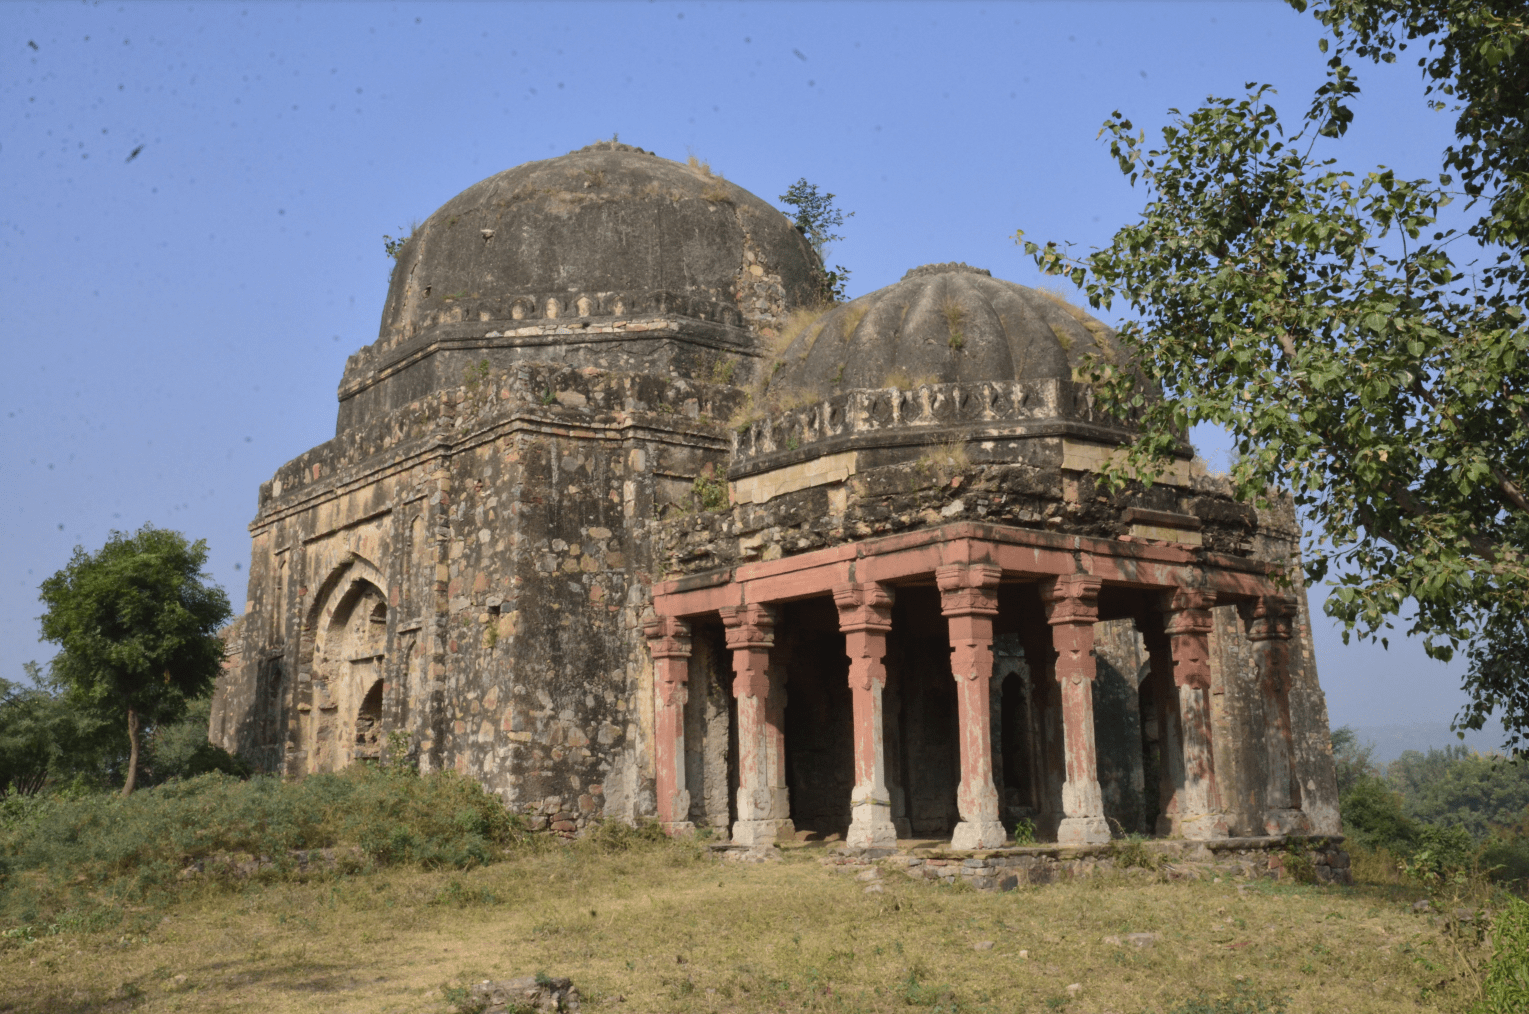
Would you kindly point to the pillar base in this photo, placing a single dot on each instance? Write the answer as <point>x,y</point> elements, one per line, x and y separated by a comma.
<point>978,834</point>
<point>904,827</point>
<point>763,832</point>
<point>1083,831</point>
<point>677,827</point>
<point>1201,827</point>
<point>871,827</point>
<point>1286,821</point>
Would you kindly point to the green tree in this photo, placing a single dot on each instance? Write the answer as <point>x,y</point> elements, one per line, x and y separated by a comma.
<point>1353,759</point>
<point>1322,318</point>
<point>45,740</point>
<point>136,623</point>
<point>1454,787</point>
<point>816,218</point>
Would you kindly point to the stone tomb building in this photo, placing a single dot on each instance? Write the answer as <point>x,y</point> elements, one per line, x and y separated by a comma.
<point>615,522</point>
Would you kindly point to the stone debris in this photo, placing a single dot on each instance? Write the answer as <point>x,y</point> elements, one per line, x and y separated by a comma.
<point>1140,940</point>
<point>875,889</point>
<point>1421,906</point>
<point>1075,989</point>
<point>531,993</point>
<point>982,945</point>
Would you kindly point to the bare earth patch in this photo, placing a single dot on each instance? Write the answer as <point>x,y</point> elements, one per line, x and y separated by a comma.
<point>671,929</point>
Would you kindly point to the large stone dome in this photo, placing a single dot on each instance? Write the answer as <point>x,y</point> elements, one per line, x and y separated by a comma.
<point>948,355</point>
<point>606,230</point>
<point>943,323</point>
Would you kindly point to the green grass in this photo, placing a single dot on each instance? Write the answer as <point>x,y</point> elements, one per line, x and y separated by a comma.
<point>439,889</point>
<point>83,858</point>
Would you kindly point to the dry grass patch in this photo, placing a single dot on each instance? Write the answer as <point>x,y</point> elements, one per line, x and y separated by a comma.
<point>667,928</point>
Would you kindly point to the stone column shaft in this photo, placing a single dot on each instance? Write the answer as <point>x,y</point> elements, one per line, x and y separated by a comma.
<point>1072,608</point>
<point>669,644</point>
<point>865,617</point>
<point>1188,625</point>
<point>969,601</point>
<point>750,635</point>
<point>1165,698</point>
<point>1269,624</point>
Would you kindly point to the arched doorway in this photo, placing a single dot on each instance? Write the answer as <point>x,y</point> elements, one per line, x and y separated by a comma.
<point>344,718</point>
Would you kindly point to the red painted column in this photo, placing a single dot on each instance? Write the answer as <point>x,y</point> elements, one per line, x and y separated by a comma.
<point>750,635</point>
<point>865,617</point>
<point>969,601</point>
<point>669,644</point>
<point>1269,623</point>
<point>1072,609</point>
<point>1188,625</point>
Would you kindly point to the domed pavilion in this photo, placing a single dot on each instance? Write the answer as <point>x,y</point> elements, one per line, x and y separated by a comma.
<point>621,521</point>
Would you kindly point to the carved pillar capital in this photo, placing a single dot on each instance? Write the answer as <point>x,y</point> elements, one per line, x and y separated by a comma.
<point>750,636</point>
<point>1269,617</point>
<point>1188,622</point>
<point>968,589</point>
<point>749,626</point>
<point>865,617</point>
<point>1072,598</point>
<point>865,607</point>
<point>668,636</point>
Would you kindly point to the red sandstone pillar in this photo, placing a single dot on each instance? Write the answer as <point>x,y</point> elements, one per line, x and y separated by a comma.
<point>669,644</point>
<point>750,635</point>
<point>865,617</point>
<point>1269,623</point>
<point>1072,608</point>
<point>1188,625</point>
<point>779,805</point>
<point>969,601</point>
<point>1165,699</point>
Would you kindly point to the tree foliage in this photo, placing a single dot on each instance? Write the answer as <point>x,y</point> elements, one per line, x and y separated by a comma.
<point>136,624</point>
<point>816,218</point>
<point>44,740</point>
<point>1323,317</point>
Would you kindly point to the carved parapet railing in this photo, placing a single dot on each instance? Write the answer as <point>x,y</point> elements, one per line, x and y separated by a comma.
<point>925,414</point>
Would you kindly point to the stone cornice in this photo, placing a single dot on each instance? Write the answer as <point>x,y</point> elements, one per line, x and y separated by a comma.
<point>388,357</point>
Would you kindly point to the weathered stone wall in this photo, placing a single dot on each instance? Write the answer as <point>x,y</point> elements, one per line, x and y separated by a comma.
<point>495,539</point>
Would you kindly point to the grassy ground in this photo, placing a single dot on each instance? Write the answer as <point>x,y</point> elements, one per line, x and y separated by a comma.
<point>668,928</point>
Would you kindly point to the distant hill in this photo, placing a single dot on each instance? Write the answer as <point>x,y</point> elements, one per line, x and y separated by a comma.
<point>1392,740</point>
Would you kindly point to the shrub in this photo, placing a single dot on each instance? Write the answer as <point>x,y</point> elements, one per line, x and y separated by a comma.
<point>130,847</point>
<point>1373,816</point>
<point>1442,851</point>
<point>1507,978</point>
<point>619,836</point>
<point>1506,859</point>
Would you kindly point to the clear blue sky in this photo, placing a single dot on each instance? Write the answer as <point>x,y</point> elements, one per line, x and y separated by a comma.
<point>175,323</point>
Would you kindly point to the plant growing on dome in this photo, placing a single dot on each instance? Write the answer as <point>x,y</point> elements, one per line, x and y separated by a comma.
<point>816,217</point>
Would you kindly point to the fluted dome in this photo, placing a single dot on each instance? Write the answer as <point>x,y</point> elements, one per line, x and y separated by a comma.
<point>606,230</point>
<point>943,323</point>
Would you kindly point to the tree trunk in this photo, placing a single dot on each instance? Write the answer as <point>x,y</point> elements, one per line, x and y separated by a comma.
<point>132,755</point>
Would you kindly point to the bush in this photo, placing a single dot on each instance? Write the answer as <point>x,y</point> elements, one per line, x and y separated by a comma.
<point>1507,979</point>
<point>619,836</point>
<point>130,847</point>
<point>181,749</point>
<point>1441,852</point>
<point>1374,817</point>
